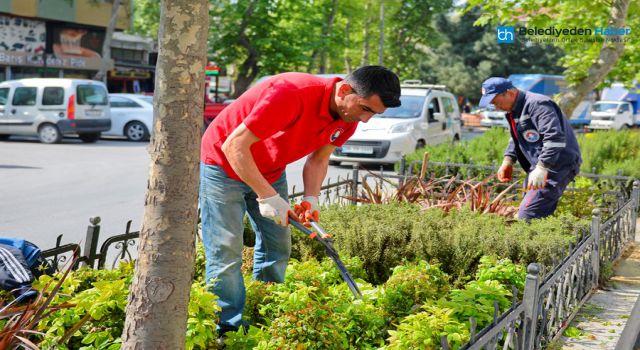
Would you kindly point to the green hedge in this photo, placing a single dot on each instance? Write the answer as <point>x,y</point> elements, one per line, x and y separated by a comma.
<point>606,151</point>
<point>385,236</point>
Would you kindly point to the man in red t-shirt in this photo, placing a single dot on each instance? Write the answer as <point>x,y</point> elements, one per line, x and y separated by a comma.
<point>244,154</point>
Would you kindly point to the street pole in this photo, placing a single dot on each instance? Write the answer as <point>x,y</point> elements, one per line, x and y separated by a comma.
<point>215,96</point>
<point>44,64</point>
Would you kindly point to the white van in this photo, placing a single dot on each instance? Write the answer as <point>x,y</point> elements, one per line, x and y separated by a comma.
<point>616,115</point>
<point>428,115</point>
<point>53,107</point>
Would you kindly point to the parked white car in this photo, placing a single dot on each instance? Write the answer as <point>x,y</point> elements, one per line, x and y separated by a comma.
<point>428,115</point>
<point>131,116</point>
<point>493,118</point>
<point>53,107</point>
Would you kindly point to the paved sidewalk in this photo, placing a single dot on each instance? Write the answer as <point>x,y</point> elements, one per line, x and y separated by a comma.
<point>603,317</point>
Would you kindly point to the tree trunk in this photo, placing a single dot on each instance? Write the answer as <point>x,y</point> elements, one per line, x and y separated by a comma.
<point>106,45</point>
<point>156,314</point>
<point>347,45</point>
<point>365,35</point>
<point>326,34</point>
<point>609,55</point>
<point>249,69</point>
<point>381,42</point>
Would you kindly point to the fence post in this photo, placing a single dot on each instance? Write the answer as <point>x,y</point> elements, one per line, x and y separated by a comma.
<point>635,195</point>
<point>354,185</point>
<point>401,171</point>
<point>91,241</point>
<point>530,300</point>
<point>595,253</point>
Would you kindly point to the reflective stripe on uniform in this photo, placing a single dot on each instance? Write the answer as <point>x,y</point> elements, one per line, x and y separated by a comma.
<point>13,265</point>
<point>554,144</point>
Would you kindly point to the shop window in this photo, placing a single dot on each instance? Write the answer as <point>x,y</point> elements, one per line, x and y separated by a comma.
<point>53,96</point>
<point>24,72</point>
<point>25,96</point>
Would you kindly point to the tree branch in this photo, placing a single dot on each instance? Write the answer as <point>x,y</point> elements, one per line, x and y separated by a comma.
<point>608,58</point>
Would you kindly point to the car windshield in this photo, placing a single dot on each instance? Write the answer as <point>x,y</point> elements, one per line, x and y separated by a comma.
<point>92,95</point>
<point>411,107</point>
<point>605,107</point>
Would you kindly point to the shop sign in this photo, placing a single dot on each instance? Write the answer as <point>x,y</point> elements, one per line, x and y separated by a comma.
<point>12,58</point>
<point>130,74</point>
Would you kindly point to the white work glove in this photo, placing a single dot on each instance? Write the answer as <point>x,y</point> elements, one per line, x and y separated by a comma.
<point>538,177</point>
<point>307,209</point>
<point>275,208</point>
<point>505,173</point>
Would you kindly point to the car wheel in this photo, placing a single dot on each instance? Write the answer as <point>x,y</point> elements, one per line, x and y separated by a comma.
<point>624,127</point>
<point>89,138</point>
<point>136,131</point>
<point>420,144</point>
<point>4,137</point>
<point>49,133</point>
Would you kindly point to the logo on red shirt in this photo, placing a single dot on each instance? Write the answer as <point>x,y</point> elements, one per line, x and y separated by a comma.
<point>336,133</point>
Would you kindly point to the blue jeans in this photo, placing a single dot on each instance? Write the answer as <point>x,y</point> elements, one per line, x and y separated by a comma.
<point>223,203</point>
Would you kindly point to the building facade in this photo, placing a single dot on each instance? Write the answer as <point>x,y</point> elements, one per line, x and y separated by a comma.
<point>56,38</point>
<point>134,64</point>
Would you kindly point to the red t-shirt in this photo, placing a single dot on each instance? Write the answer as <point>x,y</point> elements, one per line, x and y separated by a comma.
<point>289,113</point>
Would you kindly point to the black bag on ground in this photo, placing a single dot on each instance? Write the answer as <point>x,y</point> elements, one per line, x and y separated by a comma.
<point>20,263</point>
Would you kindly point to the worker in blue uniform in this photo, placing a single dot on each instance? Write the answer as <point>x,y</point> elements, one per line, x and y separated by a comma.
<point>541,140</point>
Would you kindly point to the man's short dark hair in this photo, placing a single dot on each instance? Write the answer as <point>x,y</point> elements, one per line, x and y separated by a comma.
<point>376,80</point>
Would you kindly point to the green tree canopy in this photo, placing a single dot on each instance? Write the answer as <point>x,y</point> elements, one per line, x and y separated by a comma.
<point>587,65</point>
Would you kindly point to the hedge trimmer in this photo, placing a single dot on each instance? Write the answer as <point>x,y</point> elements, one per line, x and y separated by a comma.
<point>325,239</point>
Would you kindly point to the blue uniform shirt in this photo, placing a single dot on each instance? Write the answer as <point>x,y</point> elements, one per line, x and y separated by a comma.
<point>541,134</point>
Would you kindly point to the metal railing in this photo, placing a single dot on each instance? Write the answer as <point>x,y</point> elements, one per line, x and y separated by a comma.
<point>469,170</point>
<point>551,301</point>
<point>90,256</point>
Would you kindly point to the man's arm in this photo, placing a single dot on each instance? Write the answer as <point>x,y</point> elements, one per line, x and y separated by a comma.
<point>511,150</point>
<point>315,169</point>
<point>237,150</point>
<point>548,122</point>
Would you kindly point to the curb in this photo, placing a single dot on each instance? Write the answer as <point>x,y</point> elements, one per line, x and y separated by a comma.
<point>629,338</point>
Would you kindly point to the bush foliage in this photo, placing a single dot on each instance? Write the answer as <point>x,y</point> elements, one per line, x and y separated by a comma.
<point>605,152</point>
<point>385,236</point>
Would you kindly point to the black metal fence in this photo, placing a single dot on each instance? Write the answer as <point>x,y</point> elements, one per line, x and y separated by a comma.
<point>551,300</point>
<point>117,247</point>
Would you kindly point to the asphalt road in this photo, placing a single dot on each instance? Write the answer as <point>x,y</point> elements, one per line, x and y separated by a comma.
<point>48,190</point>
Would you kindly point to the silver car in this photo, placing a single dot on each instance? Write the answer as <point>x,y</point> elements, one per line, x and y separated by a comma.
<point>131,116</point>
